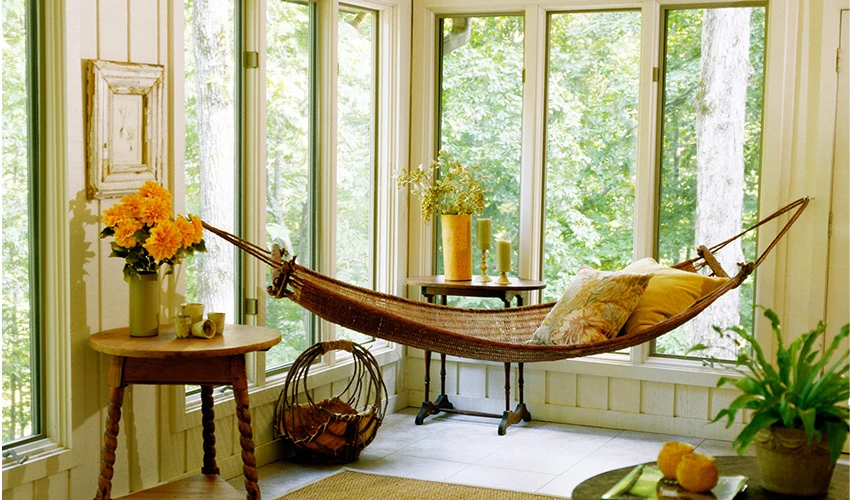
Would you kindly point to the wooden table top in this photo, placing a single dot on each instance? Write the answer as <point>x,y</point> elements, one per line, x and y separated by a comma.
<point>516,284</point>
<point>236,339</point>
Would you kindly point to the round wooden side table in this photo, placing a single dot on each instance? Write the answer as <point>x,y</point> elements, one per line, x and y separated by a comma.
<point>165,359</point>
<point>596,486</point>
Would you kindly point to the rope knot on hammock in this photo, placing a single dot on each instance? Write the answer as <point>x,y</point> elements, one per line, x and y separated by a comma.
<point>283,271</point>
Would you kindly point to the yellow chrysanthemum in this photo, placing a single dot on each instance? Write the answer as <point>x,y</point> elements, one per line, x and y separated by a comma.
<point>199,228</point>
<point>187,230</point>
<point>155,211</point>
<point>165,240</point>
<point>124,232</point>
<point>132,204</point>
<point>151,189</point>
<point>114,214</point>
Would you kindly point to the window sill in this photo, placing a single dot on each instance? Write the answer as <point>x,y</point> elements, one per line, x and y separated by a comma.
<point>44,458</point>
<point>678,371</point>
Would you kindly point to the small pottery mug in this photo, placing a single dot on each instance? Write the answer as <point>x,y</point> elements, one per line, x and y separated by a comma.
<point>182,326</point>
<point>218,319</point>
<point>195,310</point>
<point>203,329</point>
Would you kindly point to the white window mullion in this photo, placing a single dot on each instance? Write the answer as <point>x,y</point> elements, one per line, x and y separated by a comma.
<point>533,148</point>
<point>422,135</point>
<point>646,186</point>
<point>392,145</point>
<point>253,187</point>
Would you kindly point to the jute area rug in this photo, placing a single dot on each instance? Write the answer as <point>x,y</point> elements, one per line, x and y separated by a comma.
<point>351,485</point>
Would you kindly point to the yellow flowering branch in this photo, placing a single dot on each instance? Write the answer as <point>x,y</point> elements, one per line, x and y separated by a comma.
<point>446,187</point>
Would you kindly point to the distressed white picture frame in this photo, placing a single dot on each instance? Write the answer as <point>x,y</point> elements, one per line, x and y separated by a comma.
<point>126,116</point>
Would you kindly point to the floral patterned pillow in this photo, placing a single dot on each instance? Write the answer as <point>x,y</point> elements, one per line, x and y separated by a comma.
<point>594,307</point>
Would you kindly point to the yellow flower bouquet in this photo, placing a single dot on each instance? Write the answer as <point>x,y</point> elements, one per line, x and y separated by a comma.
<point>146,235</point>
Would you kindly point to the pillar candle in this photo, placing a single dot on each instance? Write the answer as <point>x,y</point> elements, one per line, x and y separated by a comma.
<point>484,233</point>
<point>503,256</point>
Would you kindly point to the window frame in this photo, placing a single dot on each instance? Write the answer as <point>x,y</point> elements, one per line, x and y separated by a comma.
<point>660,77</point>
<point>34,244</point>
<point>639,361</point>
<point>390,154</point>
<point>57,155</point>
<point>374,20</point>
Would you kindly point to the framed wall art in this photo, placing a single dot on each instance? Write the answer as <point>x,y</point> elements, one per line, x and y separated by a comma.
<point>126,118</point>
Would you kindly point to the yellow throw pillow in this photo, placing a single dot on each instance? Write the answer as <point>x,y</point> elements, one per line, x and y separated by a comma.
<point>594,307</point>
<point>670,291</point>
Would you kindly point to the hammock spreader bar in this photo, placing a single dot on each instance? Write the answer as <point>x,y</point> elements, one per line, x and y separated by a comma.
<point>486,334</point>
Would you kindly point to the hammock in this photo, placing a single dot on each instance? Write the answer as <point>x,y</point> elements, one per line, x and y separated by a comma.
<point>485,334</point>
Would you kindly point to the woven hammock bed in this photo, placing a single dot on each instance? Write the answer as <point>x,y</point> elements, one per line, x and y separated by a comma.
<point>484,334</point>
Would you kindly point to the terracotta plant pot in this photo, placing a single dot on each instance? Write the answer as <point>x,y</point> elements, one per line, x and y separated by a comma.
<point>457,247</point>
<point>144,305</point>
<point>789,466</point>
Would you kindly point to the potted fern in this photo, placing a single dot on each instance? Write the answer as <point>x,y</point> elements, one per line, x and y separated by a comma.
<point>799,413</point>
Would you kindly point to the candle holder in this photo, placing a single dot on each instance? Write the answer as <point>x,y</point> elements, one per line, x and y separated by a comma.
<point>483,278</point>
<point>503,279</point>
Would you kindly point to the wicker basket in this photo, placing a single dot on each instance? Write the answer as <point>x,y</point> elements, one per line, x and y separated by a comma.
<point>334,430</point>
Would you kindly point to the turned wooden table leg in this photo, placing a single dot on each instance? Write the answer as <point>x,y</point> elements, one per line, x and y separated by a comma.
<point>110,434</point>
<point>240,394</point>
<point>208,422</point>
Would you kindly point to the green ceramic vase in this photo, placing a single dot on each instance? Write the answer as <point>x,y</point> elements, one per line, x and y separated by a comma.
<point>144,305</point>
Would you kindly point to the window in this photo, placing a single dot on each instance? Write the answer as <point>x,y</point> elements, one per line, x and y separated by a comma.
<point>713,83</point>
<point>264,161</point>
<point>355,170</point>
<point>290,162</point>
<point>22,392</point>
<point>210,127</point>
<point>480,116</point>
<point>596,153</point>
<point>591,143</point>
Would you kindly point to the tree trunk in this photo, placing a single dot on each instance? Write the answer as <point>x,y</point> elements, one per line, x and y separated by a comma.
<point>212,31</point>
<point>720,116</point>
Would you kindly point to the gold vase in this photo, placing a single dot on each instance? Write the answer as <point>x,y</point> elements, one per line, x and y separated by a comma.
<point>789,466</point>
<point>457,247</point>
<point>144,305</point>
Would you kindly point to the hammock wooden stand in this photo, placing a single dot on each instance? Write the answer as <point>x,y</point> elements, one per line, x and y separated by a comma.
<point>484,334</point>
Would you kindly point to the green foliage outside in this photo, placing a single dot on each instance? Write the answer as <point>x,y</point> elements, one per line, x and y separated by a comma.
<point>591,133</point>
<point>481,119</point>
<point>289,160</point>
<point>677,204</point>
<point>591,144</point>
<point>191,148</point>
<point>355,175</point>
<point>18,293</point>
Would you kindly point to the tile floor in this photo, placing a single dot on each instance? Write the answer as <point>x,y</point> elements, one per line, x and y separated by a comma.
<point>539,457</point>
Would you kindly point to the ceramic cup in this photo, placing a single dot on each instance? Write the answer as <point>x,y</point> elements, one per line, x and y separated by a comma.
<point>203,329</point>
<point>218,319</point>
<point>195,310</point>
<point>182,326</point>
